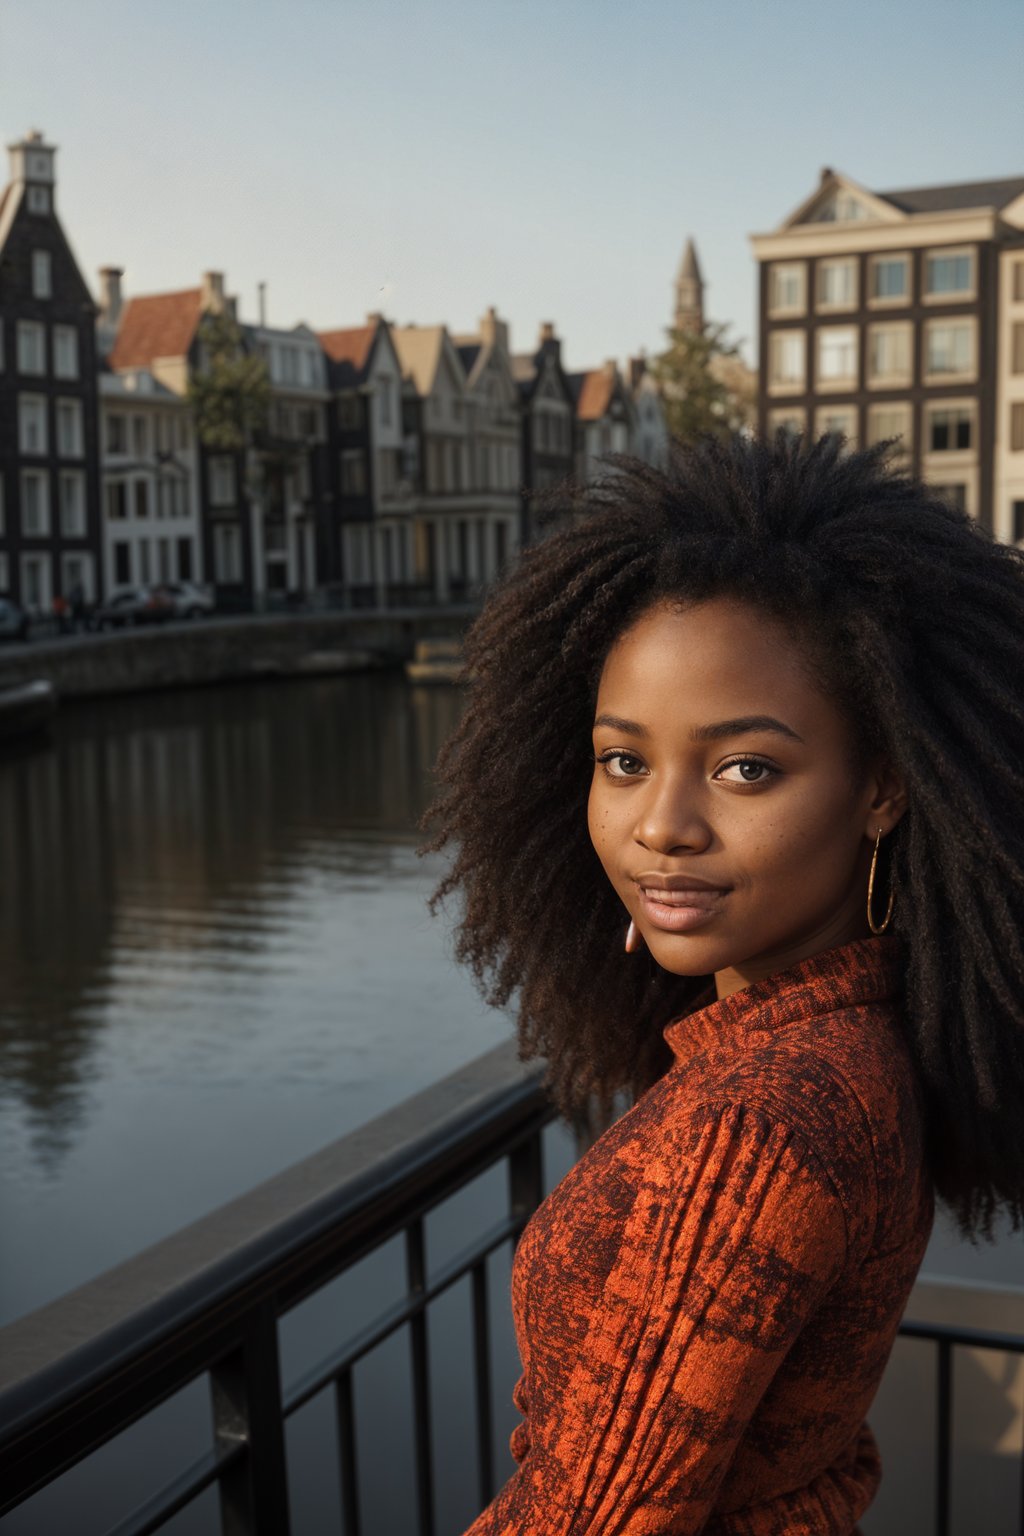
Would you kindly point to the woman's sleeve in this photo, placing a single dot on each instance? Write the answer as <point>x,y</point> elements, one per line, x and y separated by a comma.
<point>725,1255</point>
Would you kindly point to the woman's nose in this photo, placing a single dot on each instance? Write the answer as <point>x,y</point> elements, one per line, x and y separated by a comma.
<point>669,818</point>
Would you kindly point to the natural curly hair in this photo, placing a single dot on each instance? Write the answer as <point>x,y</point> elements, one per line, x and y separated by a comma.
<point>911,615</point>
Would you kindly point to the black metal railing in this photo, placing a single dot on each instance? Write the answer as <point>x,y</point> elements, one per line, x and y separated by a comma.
<point>208,1301</point>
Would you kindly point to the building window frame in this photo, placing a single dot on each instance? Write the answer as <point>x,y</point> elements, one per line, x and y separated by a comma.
<point>1015,435</point>
<point>931,375</point>
<point>41,599</point>
<point>40,500</point>
<point>824,266</point>
<point>792,269</point>
<point>65,352</point>
<point>792,418</point>
<point>876,331</point>
<point>841,383</point>
<point>878,434</point>
<point>949,253</point>
<point>227,553</point>
<point>33,426</point>
<point>30,348</point>
<point>890,301</point>
<point>961,408</point>
<point>69,421</point>
<point>780,383</point>
<point>223,482</point>
<point>844,408</point>
<point>42,275</point>
<point>71,500</point>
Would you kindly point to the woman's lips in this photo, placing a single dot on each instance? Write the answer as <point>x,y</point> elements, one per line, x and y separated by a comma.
<point>678,911</point>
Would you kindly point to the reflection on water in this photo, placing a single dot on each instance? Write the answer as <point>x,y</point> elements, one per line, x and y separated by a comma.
<point>216,952</point>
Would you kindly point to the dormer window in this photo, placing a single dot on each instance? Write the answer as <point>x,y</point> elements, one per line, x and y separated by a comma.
<point>840,208</point>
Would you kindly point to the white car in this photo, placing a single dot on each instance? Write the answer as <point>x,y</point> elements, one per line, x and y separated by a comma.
<point>190,601</point>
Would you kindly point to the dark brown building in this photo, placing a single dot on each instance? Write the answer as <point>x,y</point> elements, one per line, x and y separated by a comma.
<point>49,462</point>
<point>881,317</point>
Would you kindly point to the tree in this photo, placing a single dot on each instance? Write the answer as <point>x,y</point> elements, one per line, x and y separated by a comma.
<point>230,394</point>
<point>703,382</point>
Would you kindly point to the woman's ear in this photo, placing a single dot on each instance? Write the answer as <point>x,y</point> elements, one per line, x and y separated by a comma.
<point>889,798</point>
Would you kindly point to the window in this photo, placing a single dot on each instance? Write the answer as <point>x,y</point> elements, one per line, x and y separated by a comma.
<point>42,276</point>
<point>145,560</point>
<point>122,562</point>
<point>837,355</point>
<point>184,434</point>
<point>117,500</point>
<point>841,208</point>
<point>889,280</point>
<point>32,435</point>
<point>952,495</point>
<point>1017,426</point>
<point>353,472</point>
<point>222,481</point>
<point>384,390</point>
<point>1018,282</point>
<point>5,575</point>
<point>69,429</point>
<point>38,199</point>
<point>950,428</point>
<point>837,283</point>
<point>227,552</point>
<point>1017,347</point>
<point>949,347</point>
<point>350,412</point>
<point>76,571</point>
<point>35,582</point>
<point>949,274</point>
<point>786,288</point>
<point>35,503</point>
<point>184,559</point>
<point>888,421</point>
<point>31,347</point>
<point>787,359</point>
<point>65,352</point>
<point>791,422</point>
<point>840,420</point>
<point>140,497</point>
<point>1018,521</point>
<point>889,354</point>
<point>117,434</point>
<point>72,504</point>
<point>140,437</point>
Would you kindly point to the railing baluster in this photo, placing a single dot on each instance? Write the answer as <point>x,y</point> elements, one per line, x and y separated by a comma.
<point>482,1379</point>
<point>944,1431</point>
<point>345,1408</point>
<point>416,1269</point>
<point>246,1387</point>
<point>526,1177</point>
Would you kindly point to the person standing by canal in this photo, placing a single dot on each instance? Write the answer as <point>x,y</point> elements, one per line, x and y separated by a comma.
<point>735,807</point>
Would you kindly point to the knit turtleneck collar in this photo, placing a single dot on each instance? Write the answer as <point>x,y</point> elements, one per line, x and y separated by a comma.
<point>861,971</point>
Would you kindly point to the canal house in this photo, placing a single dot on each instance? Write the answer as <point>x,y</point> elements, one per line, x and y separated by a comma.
<point>49,461</point>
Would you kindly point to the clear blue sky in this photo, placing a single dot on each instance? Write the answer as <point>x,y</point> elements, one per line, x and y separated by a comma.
<point>431,157</point>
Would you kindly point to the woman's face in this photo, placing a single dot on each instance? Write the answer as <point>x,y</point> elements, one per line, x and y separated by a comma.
<point>720,761</point>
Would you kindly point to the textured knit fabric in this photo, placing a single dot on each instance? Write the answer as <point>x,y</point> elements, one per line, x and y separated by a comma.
<point>705,1304</point>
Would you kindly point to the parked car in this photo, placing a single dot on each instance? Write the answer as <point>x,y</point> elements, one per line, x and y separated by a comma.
<point>133,605</point>
<point>13,621</point>
<point>190,601</point>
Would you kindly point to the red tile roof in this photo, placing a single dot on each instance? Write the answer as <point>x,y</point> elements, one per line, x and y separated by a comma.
<point>352,346</point>
<point>157,325</point>
<point>595,395</point>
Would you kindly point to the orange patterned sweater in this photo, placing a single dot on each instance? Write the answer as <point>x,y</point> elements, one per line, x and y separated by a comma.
<point>705,1304</point>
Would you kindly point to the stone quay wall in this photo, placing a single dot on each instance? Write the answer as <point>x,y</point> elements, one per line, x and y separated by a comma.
<point>183,655</point>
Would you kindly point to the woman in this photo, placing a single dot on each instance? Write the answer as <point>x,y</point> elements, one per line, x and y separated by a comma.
<point>737,806</point>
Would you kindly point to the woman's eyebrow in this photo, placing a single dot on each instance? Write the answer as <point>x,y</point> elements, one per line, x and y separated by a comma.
<point>742,724</point>
<point>617,723</point>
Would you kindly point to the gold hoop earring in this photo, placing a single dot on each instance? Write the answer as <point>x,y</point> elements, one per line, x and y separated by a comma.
<point>883,925</point>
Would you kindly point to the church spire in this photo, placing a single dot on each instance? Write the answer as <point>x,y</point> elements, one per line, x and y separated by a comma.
<point>689,314</point>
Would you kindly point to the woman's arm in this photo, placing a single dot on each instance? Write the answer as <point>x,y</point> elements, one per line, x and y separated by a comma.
<point>724,1257</point>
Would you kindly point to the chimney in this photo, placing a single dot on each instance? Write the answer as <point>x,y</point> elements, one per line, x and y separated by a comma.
<point>374,317</point>
<point>111,298</point>
<point>826,173</point>
<point>547,341</point>
<point>494,332</point>
<point>213,292</point>
<point>261,293</point>
<point>611,366</point>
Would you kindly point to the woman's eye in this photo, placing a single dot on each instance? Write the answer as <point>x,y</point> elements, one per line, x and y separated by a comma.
<point>628,767</point>
<point>751,770</point>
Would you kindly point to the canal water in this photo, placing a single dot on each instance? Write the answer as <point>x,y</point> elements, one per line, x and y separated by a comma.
<point>217,957</point>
